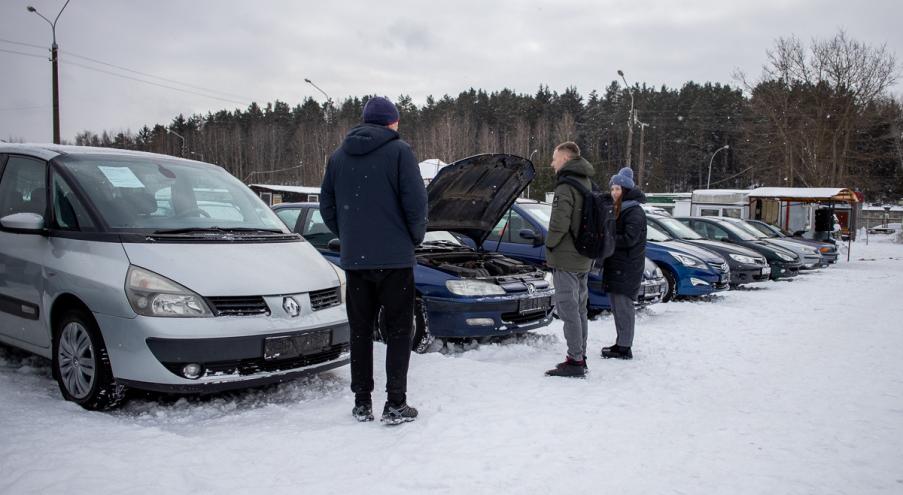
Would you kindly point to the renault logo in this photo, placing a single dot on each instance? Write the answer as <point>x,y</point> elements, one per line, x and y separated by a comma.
<point>291,306</point>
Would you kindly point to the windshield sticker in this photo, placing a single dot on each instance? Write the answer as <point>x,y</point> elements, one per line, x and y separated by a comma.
<point>121,177</point>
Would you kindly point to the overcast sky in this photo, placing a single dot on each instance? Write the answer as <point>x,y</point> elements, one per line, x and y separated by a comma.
<point>262,50</point>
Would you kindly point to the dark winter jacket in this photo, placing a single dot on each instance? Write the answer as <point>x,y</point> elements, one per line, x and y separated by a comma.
<point>623,270</point>
<point>374,200</point>
<point>567,211</point>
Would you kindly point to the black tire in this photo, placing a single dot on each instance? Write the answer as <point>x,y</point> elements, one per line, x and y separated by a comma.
<point>671,283</point>
<point>421,338</point>
<point>76,335</point>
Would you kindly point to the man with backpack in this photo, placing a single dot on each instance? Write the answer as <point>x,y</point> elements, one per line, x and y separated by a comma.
<point>570,268</point>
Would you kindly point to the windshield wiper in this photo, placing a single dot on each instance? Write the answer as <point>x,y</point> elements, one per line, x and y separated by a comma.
<point>216,230</point>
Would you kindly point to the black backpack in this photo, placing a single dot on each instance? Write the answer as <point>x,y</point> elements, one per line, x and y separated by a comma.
<point>596,238</point>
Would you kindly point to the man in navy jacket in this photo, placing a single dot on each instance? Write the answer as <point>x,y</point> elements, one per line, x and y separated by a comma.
<point>374,200</point>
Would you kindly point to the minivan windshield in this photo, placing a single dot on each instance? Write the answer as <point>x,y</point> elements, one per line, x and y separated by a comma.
<point>679,230</point>
<point>150,195</point>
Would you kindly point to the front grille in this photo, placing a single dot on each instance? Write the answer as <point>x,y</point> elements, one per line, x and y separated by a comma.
<point>721,267</point>
<point>322,299</point>
<point>523,319</point>
<point>260,365</point>
<point>238,306</point>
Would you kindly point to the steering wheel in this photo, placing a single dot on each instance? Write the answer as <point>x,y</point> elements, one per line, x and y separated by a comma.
<point>194,210</point>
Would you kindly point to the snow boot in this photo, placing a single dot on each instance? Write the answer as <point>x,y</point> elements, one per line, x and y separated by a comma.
<point>396,414</point>
<point>569,369</point>
<point>617,351</point>
<point>363,412</point>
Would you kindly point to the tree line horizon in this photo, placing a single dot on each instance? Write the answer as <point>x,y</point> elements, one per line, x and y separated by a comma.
<point>820,115</point>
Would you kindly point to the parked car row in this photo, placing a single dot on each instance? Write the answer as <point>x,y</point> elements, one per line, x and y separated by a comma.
<point>137,270</point>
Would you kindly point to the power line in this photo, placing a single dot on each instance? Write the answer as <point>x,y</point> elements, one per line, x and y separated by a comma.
<point>88,67</point>
<point>100,62</point>
<point>32,45</point>
<point>22,53</point>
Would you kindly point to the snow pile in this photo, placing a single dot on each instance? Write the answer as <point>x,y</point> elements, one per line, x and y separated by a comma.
<point>791,387</point>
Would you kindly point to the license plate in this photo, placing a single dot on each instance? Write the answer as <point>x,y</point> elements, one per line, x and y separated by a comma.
<point>291,346</point>
<point>535,304</point>
<point>652,289</point>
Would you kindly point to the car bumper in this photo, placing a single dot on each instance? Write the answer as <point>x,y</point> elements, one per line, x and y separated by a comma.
<point>696,283</point>
<point>149,353</point>
<point>740,276</point>
<point>812,262</point>
<point>487,316</point>
<point>784,270</point>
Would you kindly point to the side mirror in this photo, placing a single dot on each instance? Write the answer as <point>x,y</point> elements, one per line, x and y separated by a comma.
<point>24,223</point>
<point>334,245</point>
<point>531,235</point>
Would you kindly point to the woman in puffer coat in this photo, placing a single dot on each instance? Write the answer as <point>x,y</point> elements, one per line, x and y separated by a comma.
<point>623,270</point>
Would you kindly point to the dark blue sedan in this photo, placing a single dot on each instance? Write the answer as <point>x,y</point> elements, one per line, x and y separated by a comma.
<point>462,292</point>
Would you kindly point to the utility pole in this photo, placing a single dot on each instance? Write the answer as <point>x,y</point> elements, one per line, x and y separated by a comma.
<point>54,59</point>
<point>641,164</point>
<point>630,119</point>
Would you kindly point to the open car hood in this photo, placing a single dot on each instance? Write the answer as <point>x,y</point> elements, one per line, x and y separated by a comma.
<point>470,196</point>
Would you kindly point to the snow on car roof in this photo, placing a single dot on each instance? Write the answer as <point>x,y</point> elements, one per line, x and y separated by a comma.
<point>291,189</point>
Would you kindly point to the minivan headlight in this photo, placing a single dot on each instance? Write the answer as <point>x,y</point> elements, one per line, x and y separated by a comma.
<point>151,294</point>
<point>343,282</point>
<point>688,260</point>
<point>743,259</point>
<point>474,288</point>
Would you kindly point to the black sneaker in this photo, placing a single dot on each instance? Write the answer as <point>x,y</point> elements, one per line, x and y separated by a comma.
<point>569,369</point>
<point>363,412</point>
<point>398,414</point>
<point>617,352</point>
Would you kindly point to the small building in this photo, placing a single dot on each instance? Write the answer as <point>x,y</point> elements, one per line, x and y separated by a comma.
<point>275,194</point>
<point>675,204</point>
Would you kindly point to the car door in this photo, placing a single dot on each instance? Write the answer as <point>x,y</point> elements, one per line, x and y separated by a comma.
<point>23,189</point>
<point>506,239</point>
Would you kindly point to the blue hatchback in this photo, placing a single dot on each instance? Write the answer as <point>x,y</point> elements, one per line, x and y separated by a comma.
<point>521,234</point>
<point>689,270</point>
<point>461,291</point>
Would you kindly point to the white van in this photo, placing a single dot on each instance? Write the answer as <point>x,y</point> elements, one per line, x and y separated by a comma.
<point>131,269</point>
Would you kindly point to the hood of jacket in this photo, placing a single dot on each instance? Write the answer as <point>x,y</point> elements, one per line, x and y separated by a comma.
<point>365,138</point>
<point>631,198</point>
<point>578,166</point>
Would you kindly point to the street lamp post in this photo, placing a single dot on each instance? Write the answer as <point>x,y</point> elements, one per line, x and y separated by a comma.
<point>328,98</point>
<point>709,180</point>
<point>531,161</point>
<point>54,59</point>
<point>630,118</point>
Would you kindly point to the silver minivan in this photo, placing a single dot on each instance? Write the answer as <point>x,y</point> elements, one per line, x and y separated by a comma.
<point>132,269</point>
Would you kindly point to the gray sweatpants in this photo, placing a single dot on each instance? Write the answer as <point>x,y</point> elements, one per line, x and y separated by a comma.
<point>625,316</point>
<point>571,296</point>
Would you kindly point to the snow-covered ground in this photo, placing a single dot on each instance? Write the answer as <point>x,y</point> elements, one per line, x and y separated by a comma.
<point>793,387</point>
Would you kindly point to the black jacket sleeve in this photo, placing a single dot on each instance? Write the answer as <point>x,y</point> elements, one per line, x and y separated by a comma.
<point>634,228</point>
<point>412,194</point>
<point>327,199</point>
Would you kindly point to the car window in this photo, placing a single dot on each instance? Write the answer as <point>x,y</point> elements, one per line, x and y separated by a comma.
<point>499,227</point>
<point>515,225</point>
<point>717,233</point>
<point>68,211</point>
<point>289,216</point>
<point>678,229</point>
<point>315,230</point>
<point>23,186</point>
<point>540,212</point>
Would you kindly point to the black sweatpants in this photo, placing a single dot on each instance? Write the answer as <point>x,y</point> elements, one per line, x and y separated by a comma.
<point>367,291</point>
